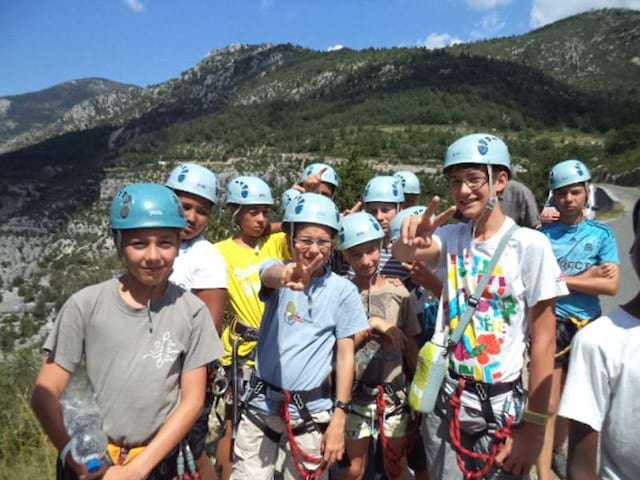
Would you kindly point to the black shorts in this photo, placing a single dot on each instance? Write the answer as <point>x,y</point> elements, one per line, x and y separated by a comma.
<point>199,433</point>
<point>565,331</point>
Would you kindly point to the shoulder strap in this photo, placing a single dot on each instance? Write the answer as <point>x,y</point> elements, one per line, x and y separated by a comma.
<point>474,299</point>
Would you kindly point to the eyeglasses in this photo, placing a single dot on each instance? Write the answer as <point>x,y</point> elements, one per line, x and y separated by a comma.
<point>474,183</point>
<point>306,243</point>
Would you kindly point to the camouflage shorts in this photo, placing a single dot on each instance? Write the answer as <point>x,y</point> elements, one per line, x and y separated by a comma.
<point>363,421</point>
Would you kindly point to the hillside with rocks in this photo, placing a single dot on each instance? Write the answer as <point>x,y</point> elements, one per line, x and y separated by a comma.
<point>270,110</point>
<point>597,51</point>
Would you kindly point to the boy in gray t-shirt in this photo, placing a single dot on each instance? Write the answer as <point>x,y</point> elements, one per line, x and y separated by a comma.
<point>145,341</point>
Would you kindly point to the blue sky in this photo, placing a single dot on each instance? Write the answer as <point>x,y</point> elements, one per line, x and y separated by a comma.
<point>150,41</point>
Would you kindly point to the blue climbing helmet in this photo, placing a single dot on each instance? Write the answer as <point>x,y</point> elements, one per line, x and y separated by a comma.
<point>409,181</point>
<point>329,176</point>
<point>248,191</point>
<point>384,189</point>
<point>358,228</point>
<point>195,179</point>
<point>396,224</point>
<point>478,149</point>
<point>146,205</point>
<point>289,196</point>
<point>312,208</point>
<point>567,173</point>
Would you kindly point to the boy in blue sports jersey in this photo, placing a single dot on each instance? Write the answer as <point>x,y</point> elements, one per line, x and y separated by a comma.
<point>587,252</point>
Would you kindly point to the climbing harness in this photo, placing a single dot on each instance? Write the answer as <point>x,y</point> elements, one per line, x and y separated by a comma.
<point>393,458</point>
<point>484,392</point>
<point>580,324</point>
<point>297,452</point>
<point>240,333</point>
<point>300,399</point>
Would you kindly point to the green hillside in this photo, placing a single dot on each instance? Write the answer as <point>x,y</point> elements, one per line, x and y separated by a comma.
<point>597,51</point>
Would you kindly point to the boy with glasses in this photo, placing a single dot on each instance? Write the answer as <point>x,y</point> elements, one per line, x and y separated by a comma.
<point>311,316</point>
<point>470,432</point>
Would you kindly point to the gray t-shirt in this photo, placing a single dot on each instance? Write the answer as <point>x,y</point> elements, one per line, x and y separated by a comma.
<point>134,363</point>
<point>519,203</point>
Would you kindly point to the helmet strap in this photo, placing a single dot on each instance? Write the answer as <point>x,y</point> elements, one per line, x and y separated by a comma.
<point>493,196</point>
<point>234,218</point>
<point>118,242</point>
<point>291,231</point>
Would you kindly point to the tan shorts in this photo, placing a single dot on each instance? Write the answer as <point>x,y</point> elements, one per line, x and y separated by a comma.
<point>363,421</point>
<point>255,454</point>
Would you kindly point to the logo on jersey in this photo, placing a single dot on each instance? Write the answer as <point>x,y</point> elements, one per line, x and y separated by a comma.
<point>291,315</point>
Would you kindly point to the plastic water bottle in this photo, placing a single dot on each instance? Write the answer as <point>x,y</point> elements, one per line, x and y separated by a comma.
<point>83,422</point>
<point>429,376</point>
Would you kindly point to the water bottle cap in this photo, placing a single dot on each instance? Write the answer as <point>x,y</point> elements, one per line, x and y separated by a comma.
<point>94,465</point>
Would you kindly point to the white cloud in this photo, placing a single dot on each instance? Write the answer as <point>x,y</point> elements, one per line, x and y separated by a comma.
<point>135,5</point>
<point>547,11</point>
<point>439,40</point>
<point>486,4</point>
<point>335,48</point>
<point>492,23</point>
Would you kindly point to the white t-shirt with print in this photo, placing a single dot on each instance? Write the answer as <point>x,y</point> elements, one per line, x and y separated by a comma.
<point>603,390</point>
<point>493,345</point>
<point>199,266</point>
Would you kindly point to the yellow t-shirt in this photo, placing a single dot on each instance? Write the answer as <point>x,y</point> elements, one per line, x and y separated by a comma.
<point>244,283</point>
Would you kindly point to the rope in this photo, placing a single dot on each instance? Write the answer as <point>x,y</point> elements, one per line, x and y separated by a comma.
<point>393,458</point>
<point>296,449</point>
<point>578,323</point>
<point>455,431</point>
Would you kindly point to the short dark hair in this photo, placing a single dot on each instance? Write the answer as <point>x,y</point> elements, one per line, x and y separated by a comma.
<point>495,169</point>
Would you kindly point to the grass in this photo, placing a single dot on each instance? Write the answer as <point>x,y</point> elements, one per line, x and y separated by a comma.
<point>25,451</point>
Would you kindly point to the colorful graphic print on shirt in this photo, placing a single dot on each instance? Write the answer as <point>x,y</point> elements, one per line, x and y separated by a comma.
<point>479,352</point>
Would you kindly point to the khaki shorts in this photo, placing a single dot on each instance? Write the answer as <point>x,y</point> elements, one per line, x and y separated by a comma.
<point>363,421</point>
<point>255,454</point>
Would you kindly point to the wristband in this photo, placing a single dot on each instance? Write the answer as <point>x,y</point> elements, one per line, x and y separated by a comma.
<point>342,405</point>
<point>536,418</point>
<point>65,451</point>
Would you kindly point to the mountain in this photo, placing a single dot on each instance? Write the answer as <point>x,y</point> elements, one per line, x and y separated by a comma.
<point>31,117</point>
<point>269,109</point>
<point>597,51</point>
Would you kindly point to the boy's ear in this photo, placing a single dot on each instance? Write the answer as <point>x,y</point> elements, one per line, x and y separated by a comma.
<point>500,180</point>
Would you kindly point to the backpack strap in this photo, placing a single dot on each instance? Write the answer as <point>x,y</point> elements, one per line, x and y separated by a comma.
<point>474,299</point>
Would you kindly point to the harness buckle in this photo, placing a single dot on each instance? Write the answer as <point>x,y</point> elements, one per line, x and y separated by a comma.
<point>473,302</point>
<point>388,389</point>
<point>220,386</point>
<point>298,401</point>
<point>480,390</point>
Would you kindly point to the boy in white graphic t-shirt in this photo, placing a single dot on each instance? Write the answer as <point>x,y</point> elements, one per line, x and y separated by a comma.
<point>483,391</point>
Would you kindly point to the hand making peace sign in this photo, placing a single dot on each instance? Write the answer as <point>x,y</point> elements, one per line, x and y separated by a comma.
<point>296,275</point>
<point>417,231</point>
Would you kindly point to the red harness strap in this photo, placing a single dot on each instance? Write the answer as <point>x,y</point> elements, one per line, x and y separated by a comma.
<point>393,458</point>
<point>501,436</point>
<point>296,450</point>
